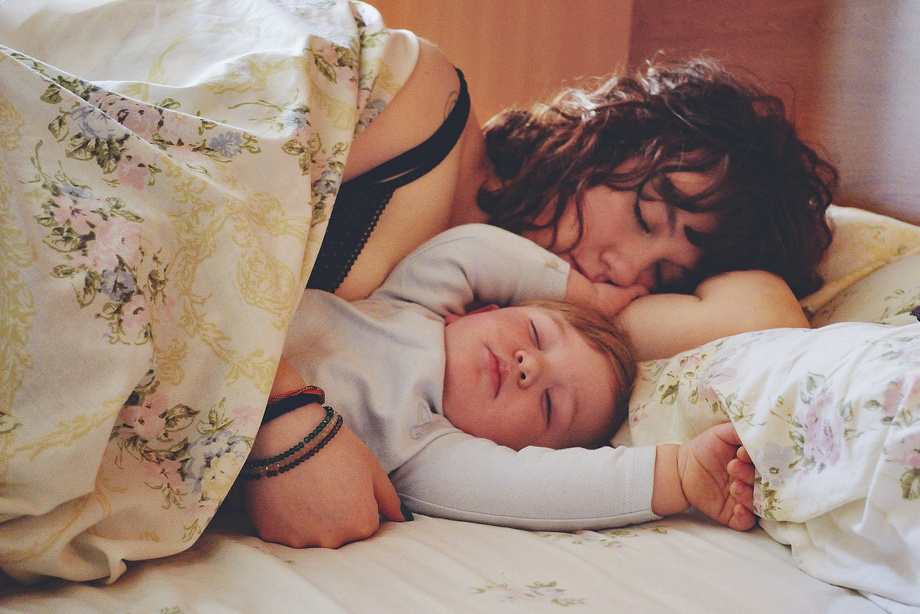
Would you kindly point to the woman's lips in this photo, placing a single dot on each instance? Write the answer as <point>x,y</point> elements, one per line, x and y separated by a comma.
<point>498,372</point>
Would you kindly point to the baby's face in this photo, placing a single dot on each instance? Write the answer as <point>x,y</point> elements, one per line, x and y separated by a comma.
<point>523,376</point>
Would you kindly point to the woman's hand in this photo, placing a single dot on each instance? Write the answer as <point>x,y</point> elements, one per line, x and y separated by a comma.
<point>333,498</point>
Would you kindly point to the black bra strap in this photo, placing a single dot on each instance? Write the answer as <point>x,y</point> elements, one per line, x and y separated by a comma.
<point>361,200</point>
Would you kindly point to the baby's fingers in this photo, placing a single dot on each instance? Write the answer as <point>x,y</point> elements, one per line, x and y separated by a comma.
<point>743,494</point>
<point>742,519</point>
<point>742,471</point>
<point>743,455</point>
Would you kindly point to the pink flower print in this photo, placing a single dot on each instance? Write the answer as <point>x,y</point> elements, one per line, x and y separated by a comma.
<point>147,421</point>
<point>179,128</point>
<point>133,174</point>
<point>132,114</point>
<point>330,56</point>
<point>134,314</point>
<point>823,430</point>
<point>247,418</point>
<point>164,474</point>
<point>903,392</point>
<point>708,382</point>
<point>708,394</point>
<point>204,508</point>
<point>81,220</point>
<point>116,237</point>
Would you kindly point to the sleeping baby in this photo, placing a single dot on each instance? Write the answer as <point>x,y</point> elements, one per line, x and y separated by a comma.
<point>493,415</point>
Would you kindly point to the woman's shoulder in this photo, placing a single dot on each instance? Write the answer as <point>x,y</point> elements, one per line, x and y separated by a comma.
<point>414,114</point>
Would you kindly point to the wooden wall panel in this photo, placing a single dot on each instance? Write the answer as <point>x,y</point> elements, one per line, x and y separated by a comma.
<point>848,68</point>
<point>516,52</point>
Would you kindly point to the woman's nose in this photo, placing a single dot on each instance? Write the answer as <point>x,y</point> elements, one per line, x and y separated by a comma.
<point>634,268</point>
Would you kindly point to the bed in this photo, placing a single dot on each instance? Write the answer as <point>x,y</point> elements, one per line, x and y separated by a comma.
<point>682,564</point>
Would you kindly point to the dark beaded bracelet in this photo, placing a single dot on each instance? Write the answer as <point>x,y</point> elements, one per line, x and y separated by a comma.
<point>251,472</point>
<point>297,448</point>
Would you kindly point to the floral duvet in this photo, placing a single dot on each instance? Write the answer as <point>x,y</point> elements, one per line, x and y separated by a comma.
<point>165,178</point>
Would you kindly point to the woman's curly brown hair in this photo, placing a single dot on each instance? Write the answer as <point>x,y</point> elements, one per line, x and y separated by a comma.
<point>770,190</point>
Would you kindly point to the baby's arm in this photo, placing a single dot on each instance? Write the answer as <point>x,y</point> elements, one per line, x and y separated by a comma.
<point>662,325</point>
<point>712,472</point>
<point>462,477</point>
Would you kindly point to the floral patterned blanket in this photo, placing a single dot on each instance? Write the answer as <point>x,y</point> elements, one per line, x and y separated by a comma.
<point>831,417</point>
<point>166,172</point>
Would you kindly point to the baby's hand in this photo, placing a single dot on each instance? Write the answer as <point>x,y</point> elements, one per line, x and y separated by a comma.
<point>611,299</point>
<point>717,476</point>
<point>604,297</point>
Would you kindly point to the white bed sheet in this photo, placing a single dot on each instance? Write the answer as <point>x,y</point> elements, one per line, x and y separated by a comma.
<point>682,564</point>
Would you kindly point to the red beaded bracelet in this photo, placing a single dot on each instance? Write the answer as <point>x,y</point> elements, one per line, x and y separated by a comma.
<point>289,401</point>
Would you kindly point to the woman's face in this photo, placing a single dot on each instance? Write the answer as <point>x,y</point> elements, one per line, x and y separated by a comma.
<point>629,240</point>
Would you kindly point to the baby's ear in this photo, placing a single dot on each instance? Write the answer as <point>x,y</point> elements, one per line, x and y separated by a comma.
<point>449,318</point>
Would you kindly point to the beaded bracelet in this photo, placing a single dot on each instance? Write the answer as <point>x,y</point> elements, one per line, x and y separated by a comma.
<point>289,401</point>
<point>290,458</point>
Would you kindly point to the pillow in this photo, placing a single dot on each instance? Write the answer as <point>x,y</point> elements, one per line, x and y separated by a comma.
<point>885,296</point>
<point>863,243</point>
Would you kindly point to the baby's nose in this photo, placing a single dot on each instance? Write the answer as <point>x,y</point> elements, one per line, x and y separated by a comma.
<point>527,368</point>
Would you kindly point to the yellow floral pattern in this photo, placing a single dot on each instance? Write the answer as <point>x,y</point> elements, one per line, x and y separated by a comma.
<point>155,233</point>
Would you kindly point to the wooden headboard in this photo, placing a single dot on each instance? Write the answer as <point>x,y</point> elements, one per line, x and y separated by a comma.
<point>848,69</point>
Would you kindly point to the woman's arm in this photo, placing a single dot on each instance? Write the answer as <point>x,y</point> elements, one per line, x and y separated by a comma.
<point>662,325</point>
<point>333,498</point>
<point>442,198</point>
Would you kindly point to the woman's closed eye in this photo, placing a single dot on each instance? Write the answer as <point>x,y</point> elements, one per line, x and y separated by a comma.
<point>637,211</point>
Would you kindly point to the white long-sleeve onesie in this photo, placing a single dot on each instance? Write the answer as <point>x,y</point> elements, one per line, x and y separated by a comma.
<point>381,363</point>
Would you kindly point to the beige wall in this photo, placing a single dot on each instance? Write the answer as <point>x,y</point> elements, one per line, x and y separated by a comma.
<point>515,52</point>
<point>848,68</point>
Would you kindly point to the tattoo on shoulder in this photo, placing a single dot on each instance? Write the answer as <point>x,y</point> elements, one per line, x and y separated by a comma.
<point>451,102</point>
